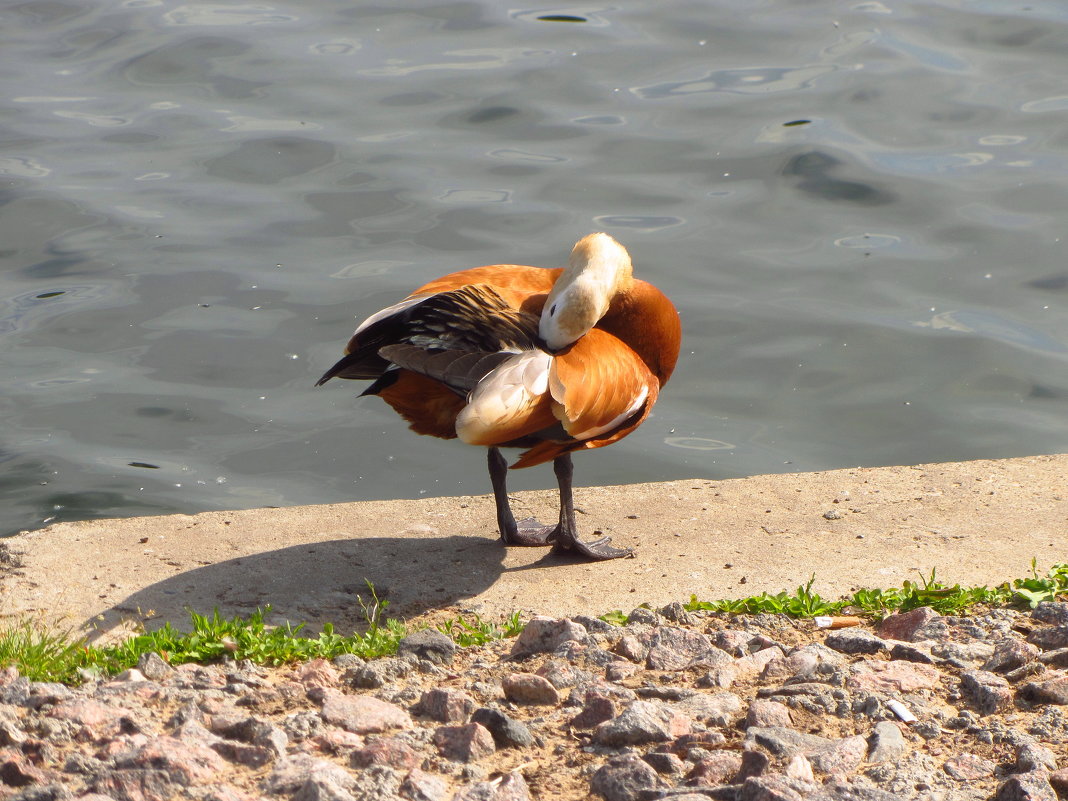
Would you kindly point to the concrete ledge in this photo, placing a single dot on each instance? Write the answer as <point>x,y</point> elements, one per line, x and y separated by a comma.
<point>977,522</point>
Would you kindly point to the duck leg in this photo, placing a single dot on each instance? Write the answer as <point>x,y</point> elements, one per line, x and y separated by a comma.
<point>526,532</point>
<point>565,536</point>
<point>529,532</point>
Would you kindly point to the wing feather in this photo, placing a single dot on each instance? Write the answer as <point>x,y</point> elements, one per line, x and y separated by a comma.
<point>509,403</point>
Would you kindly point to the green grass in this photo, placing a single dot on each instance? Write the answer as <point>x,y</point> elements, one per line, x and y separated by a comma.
<point>57,655</point>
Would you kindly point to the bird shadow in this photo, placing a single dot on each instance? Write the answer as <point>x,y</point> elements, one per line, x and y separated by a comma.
<point>335,581</point>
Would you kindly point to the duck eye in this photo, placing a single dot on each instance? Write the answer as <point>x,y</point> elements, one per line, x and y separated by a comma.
<point>552,310</point>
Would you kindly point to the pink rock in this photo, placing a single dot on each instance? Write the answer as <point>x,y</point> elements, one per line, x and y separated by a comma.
<point>630,647</point>
<point>754,664</point>
<point>337,741</point>
<point>715,770</point>
<point>362,714</point>
<point>896,676</point>
<point>466,743</point>
<point>183,763</point>
<point>423,786</point>
<point>905,625</point>
<point>389,752</point>
<point>768,713</point>
<point>529,688</point>
<point>17,771</point>
<point>446,705</point>
<point>842,758</point>
<point>97,720</point>
<point>317,673</point>
<point>543,634</point>
<point>969,767</point>
<point>511,787</point>
<point>617,671</point>
<point>597,709</point>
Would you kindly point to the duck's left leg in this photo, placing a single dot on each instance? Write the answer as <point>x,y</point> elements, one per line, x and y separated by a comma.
<point>565,537</point>
<point>526,532</point>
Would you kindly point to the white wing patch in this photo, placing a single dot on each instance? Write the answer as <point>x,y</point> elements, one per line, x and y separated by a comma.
<point>504,394</point>
<point>389,311</point>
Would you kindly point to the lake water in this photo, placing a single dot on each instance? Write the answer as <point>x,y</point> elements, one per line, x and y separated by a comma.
<point>858,207</point>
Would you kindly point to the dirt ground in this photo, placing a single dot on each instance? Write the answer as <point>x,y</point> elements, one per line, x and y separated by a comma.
<point>976,522</point>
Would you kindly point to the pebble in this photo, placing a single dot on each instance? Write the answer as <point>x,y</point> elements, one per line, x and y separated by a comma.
<point>674,705</point>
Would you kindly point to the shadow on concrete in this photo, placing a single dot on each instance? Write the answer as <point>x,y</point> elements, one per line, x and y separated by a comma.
<point>323,582</point>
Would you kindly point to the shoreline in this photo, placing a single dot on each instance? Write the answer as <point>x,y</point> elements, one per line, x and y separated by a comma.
<point>979,522</point>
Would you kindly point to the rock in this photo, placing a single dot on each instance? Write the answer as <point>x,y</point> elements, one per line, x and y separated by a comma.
<point>510,787</point>
<point>546,634</point>
<point>181,763</point>
<point>362,714</point>
<point>1055,612</point>
<point>754,763</point>
<point>625,778</point>
<point>665,763</point>
<point>855,641</point>
<point>717,769</point>
<point>716,709</point>
<point>379,672</point>
<point>429,644</point>
<point>1049,638</point>
<point>389,752</point>
<point>769,788</point>
<point>640,723</point>
<point>445,705</point>
<point>632,648</point>
<point>561,674</point>
<point>753,664</point>
<point>1051,691</point>
<point>467,743</point>
<point>642,616</point>
<point>734,642</point>
<point>989,692</point>
<point>784,742</point>
<point>969,767</point>
<point>963,655</point>
<point>153,666</point>
<point>317,673</point>
<point>912,652</point>
<point>1010,654</point>
<point>886,743</point>
<point>893,677</point>
<point>842,757</point>
<point>766,713</point>
<point>907,625</point>
<point>420,786</point>
<point>529,688</point>
<point>16,770</point>
<point>1033,786</point>
<point>596,709</point>
<point>506,732</point>
<point>677,649</point>
<point>96,718</point>
<point>799,768</point>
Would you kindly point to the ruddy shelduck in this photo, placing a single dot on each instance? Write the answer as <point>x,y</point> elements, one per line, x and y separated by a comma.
<point>550,360</point>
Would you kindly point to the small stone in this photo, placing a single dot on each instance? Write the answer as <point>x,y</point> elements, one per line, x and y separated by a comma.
<point>886,743</point>
<point>625,778</point>
<point>506,732</point>
<point>630,647</point>
<point>181,762</point>
<point>783,742</point>
<point>389,752</point>
<point>893,677</point>
<point>362,714</point>
<point>97,720</point>
<point>545,634</point>
<point>153,666</point>
<point>1052,691</point>
<point>664,763</point>
<point>672,648</point>
<point>617,671</point>
<point>754,763</point>
<point>1055,612</point>
<point>907,625</point>
<point>769,788</point>
<point>763,712</point>
<point>317,673</point>
<point>989,692</point>
<point>1033,786</point>
<point>1055,658</point>
<point>642,722</point>
<point>17,771</point>
<point>379,672</point>
<point>529,688</point>
<point>596,709</point>
<point>734,642</point>
<point>842,757</point>
<point>753,664</point>
<point>969,767</point>
<point>510,787</point>
<point>1049,638</point>
<point>855,641</point>
<point>420,786</point>
<point>429,644</point>
<point>912,652</point>
<point>561,674</point>
<point>445,705</point>
<point>1010,654</point>
<point>800,768</point>
<point>717,769</point>
<point>467,743</point>
<point>720,709</point>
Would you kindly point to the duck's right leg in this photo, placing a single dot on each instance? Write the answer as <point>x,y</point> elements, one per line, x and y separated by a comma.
<point>527,532</point>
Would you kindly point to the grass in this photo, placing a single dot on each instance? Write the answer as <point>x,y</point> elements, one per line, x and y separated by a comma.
<point>57,655</point>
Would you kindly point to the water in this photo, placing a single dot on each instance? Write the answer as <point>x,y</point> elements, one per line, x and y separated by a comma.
<point>858,208</point>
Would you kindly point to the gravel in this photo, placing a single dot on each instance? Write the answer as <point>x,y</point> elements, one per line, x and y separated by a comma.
<point>674,705</point>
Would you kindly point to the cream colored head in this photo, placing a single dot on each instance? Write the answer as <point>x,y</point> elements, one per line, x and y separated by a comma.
<point>598,269</point>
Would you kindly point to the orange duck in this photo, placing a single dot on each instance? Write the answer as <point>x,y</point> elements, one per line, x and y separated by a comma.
<point>550,360</point>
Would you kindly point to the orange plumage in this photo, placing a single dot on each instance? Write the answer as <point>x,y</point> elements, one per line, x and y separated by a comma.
<point>468,355</point>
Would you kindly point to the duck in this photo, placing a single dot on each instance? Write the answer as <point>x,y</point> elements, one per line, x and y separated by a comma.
<point>549,360</point>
